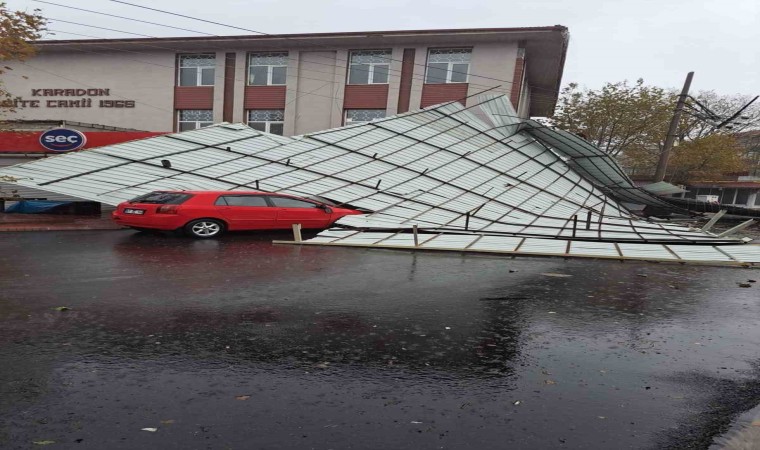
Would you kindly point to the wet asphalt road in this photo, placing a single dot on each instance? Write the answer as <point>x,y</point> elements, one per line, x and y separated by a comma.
<point>240,344</point>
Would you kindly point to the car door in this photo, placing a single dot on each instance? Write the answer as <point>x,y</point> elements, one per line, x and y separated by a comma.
<point>292,210</point>
<point>247,212</point>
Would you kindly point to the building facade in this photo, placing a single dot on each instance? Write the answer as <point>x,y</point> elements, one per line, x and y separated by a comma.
<point>283,84</point>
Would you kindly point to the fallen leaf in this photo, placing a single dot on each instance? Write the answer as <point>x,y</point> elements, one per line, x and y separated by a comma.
<point>414,421</point>
<point>756,423</point>
<point>167,422</point>
<point>62,308</point>
<point>745,285</point>
<point>45,442</point>
<point>549,382</point>
<point>557,275</point>
<point>242,397</point>
<point>517,402</point>
<point>152,430</point>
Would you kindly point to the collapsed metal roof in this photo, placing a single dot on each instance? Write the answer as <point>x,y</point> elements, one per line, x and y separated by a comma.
<point>470,179</point>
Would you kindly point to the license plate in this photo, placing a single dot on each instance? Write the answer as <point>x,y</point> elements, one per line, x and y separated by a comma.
<point>133,211</point>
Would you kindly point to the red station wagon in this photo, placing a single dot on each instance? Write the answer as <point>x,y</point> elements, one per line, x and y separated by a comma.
<point>207,214</point>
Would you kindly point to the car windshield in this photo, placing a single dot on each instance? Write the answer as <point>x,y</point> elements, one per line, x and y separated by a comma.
<point>162,198</point>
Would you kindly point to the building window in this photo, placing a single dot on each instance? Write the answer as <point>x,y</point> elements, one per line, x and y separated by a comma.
<point>369,67</point>
<point>196,70</point>
<point>192,119</point>
<point>363,115</point>
<point>448,65</point>
<point>267,69</point>
<point>267,120</point>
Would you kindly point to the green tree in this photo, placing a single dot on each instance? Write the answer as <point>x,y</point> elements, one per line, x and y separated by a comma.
<point>630,122</point>
<point>617,117</point>
<point>706,158</point>
<point>18,31</point>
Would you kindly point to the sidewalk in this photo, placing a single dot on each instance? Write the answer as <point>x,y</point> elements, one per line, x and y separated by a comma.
<point>53,222</point>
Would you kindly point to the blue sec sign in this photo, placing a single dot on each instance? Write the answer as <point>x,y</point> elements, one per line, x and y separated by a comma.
<point>62,140</point>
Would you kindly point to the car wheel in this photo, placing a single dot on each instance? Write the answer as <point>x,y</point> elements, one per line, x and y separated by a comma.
<point>204,228</point>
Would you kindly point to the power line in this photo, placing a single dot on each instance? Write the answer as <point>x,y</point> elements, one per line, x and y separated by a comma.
<point>421,77</point>
<point>101,28</point>
<point>418,77</point>
<point>123,17</point>
<point>289,38</point>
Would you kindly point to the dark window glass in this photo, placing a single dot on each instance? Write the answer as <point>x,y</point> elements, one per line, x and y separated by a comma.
<point>287,202</point>
<point>258,76</point>
<point>728,196</point>
<point>742,197</point>
<point>757,199</point>
<point>276,128</point>
<point>207,77</point>
<point>245,200</point>
<point>188,77</point>
<point>186,126</point>
<point>162,198</point>
<point>436,73</point>
<point>279,75</point>
<point>380,74</point>
<point>259,126</point>
<point>459,73</point>
<point>359,74</point>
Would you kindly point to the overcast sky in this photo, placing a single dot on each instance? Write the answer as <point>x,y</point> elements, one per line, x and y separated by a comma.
<point>613,40</point>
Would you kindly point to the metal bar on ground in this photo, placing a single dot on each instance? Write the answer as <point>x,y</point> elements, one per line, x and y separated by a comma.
<point>713,220</point>
<point>737,228</point>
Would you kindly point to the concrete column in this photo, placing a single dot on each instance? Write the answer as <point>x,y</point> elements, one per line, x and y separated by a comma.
<point>241,79</point>
<point>339,88</point>
<point>291,94</point>
<point>394,81</point>
<point>418,76</point>
<point>219,87</point>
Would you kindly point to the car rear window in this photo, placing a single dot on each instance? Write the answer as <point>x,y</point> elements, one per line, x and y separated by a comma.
<point>162,198</point>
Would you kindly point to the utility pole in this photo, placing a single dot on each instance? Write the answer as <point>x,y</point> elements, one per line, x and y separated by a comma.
<point>670,139</point>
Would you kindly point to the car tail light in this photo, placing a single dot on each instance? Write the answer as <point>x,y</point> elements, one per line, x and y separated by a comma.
<point>167,209</point>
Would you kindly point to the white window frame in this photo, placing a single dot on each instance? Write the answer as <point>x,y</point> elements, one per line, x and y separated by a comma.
<point>348,121</point>
<point>371,75</point>
<point>198,69</point>
<point>270,69</point>
<point>450,66</point>
<point>196,122</point>
<point>267,123</point>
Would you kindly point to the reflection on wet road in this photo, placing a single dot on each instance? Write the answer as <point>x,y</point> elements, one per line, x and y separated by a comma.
<point>238,343</point>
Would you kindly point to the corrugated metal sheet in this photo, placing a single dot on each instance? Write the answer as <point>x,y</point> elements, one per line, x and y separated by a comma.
<point>466,182</point>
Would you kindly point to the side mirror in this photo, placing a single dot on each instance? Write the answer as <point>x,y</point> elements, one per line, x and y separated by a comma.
<point>326,209</point>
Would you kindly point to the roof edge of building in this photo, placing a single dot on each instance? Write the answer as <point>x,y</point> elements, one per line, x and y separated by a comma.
<point>346,34</point>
